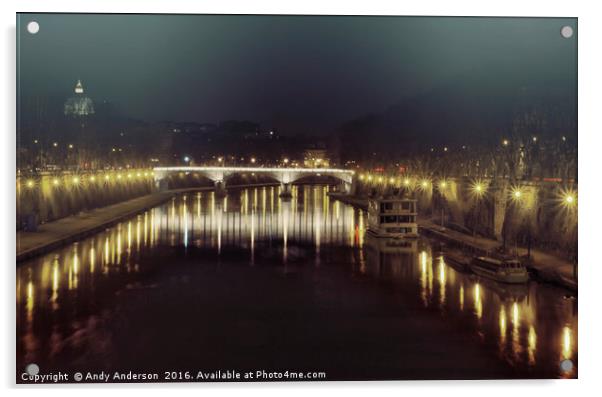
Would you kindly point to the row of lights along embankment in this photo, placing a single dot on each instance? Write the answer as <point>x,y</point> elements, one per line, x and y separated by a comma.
<point>78,180</point>
<point>478,188</point>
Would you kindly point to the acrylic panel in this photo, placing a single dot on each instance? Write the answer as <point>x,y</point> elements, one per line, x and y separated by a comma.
<point>295,198</point>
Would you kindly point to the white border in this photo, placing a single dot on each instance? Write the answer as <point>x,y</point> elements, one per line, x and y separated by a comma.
<point>590,65</point>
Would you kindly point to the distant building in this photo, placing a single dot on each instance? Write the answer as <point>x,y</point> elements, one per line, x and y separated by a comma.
<point>79,105</point>
<point>316,158</point>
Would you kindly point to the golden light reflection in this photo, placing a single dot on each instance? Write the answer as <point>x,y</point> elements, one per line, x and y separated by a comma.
<point>532,347</point>
<point>73,271</point>
<point>478,304</point>
<point>118,247</point>
<point>441,280</point>
<point>502,326</point>
<point>92,260</point>
<point>517,347</point>
<point>423,277</point>
<point>106,257</point>
<point>138,234</point>
<point>567,337</point>
<point>55,281</point>
<point>29,305</point>
<point>145,233</point>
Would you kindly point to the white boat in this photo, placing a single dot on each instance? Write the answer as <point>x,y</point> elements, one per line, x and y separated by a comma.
<point>506,271</point>
<point>392,218</point>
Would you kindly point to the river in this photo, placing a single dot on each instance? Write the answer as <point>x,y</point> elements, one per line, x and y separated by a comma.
<point>252,282</point>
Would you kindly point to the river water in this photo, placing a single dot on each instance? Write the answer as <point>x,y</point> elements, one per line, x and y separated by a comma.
<point>251,282</point>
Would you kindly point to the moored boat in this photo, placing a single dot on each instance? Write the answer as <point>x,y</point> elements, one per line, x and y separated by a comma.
<point>506,271</point>
<point>392,217</point>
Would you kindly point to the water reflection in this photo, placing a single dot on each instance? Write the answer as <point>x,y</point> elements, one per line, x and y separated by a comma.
<point>527,323</point>
<point>531,327</point>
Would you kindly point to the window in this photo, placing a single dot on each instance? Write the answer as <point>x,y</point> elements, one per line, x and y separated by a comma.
<point>386,207</point>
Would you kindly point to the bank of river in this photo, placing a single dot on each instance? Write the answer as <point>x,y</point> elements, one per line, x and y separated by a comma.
<point>546,267</point>
<point>63,231</point>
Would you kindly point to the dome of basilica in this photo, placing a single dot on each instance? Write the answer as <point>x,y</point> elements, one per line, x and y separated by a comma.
<point>79,105</point>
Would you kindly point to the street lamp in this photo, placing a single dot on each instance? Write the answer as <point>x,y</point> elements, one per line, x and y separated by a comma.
<point>517,193</point>
<point>478,188</point>
<point>568,200</point>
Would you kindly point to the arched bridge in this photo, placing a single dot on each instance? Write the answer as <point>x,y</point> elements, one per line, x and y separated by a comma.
<point>285,176</point>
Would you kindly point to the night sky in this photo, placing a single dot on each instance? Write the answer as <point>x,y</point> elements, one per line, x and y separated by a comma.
<point>295,73</point>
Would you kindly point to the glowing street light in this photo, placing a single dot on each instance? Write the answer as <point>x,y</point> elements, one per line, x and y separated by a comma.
<point>75,180</point>
<point>568,198</point>
<point>505,142</point>
<point>186,159</point>
<point>30,183</point>
<point>55,182</point>
<point>517,193</point>
<point>406,182</point>
<point>442,185</point>
<point>285,161</point>
<point>55,144</point>
<point>70,146</point>
<point>478,188</point>
<point>253,160</point>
